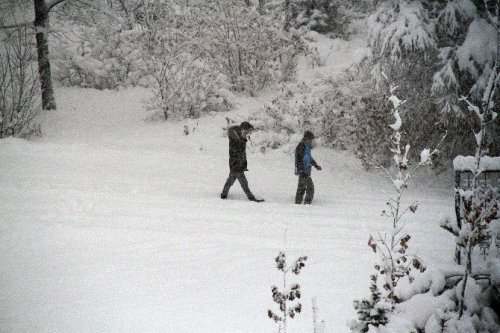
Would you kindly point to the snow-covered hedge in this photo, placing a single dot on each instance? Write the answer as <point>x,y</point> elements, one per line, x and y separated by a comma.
<point>107,57</point>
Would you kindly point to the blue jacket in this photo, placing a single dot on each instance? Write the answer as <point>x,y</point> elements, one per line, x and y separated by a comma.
<point>303,159</point>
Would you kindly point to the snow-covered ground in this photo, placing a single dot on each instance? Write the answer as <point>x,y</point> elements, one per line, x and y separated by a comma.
<point>110,223</point>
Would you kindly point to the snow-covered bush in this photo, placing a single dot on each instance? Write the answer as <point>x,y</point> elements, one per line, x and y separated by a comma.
<point>357,117</point>
<point>396,262</point>
<point>19,85</point>
<point>96,45</point>
<point>184,84</point>
<point>248,47</point>
<point>342,116</point>
<point>106,58</point>
<point>323,16</point>
<point>338,122</point>
<point>287,297</point>
<point>330,17</point>
<point>191,56</point>
<point>370,132</point>
<point>297,108</point>
<point>462,298</point>
<point>372,310</point>
<point>284,119</point>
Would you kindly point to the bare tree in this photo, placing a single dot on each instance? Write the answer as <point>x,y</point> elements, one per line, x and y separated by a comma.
<point>19,92</point>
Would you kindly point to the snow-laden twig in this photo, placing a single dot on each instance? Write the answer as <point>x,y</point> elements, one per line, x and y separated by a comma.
<point>286,298</point>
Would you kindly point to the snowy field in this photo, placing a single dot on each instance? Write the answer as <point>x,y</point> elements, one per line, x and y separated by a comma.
<point>110,223</point>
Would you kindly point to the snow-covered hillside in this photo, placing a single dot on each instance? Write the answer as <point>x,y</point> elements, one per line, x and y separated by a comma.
<point>110,223</point>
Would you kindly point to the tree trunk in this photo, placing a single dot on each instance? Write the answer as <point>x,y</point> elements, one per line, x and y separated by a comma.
<point>287,15</point>
<point>261,7</point>
<point>42,44</point>
<point>468,272</point>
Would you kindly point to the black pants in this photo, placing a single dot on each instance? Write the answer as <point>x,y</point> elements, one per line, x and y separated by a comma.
<point>233,175</point>
<point>305,186</point>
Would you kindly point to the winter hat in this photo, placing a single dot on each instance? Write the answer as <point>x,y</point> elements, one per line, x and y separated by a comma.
<point>308,135</point>
<point>246,125</point>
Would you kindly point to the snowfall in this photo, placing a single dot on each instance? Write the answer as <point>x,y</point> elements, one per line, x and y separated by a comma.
<point>113,223</point>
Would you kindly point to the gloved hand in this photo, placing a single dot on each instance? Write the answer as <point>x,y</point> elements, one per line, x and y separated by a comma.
<point>318,167</point>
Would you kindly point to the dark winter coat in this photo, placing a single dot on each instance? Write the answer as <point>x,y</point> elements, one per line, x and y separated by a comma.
<point>237,149</point>
<point>303,159</point>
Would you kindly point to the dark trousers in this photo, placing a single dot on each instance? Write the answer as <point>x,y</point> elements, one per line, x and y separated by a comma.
<point>233,175</point>
<point>305,186</point>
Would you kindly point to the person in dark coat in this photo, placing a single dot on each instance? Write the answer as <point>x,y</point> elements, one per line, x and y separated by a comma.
<point>303,165</point>
<point>238,159</point>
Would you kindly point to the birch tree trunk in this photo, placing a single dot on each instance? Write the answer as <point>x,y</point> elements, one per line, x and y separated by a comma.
<point>261,8</point>
<point>287,15</point>
<point>42,44</point>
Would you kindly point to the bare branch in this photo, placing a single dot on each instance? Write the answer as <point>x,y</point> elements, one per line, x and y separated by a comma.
<point>450,229</point>
<point>377,165</point>
<point>95,7</point>
<point>29,24</point>
<point>53,3</point>
<point>489,15</point>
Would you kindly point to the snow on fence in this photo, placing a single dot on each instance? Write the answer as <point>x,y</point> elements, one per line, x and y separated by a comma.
<point>468,163</point>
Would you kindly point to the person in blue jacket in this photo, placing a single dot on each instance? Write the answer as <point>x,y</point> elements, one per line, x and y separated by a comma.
<point>303,165</point>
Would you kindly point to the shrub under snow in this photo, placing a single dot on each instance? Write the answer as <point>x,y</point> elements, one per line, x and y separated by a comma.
<point>19,85</point>
<point>107,57</point>
<point>249,48</point>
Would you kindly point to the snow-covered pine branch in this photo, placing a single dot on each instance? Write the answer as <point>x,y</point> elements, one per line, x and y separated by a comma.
<point>437,51</point>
